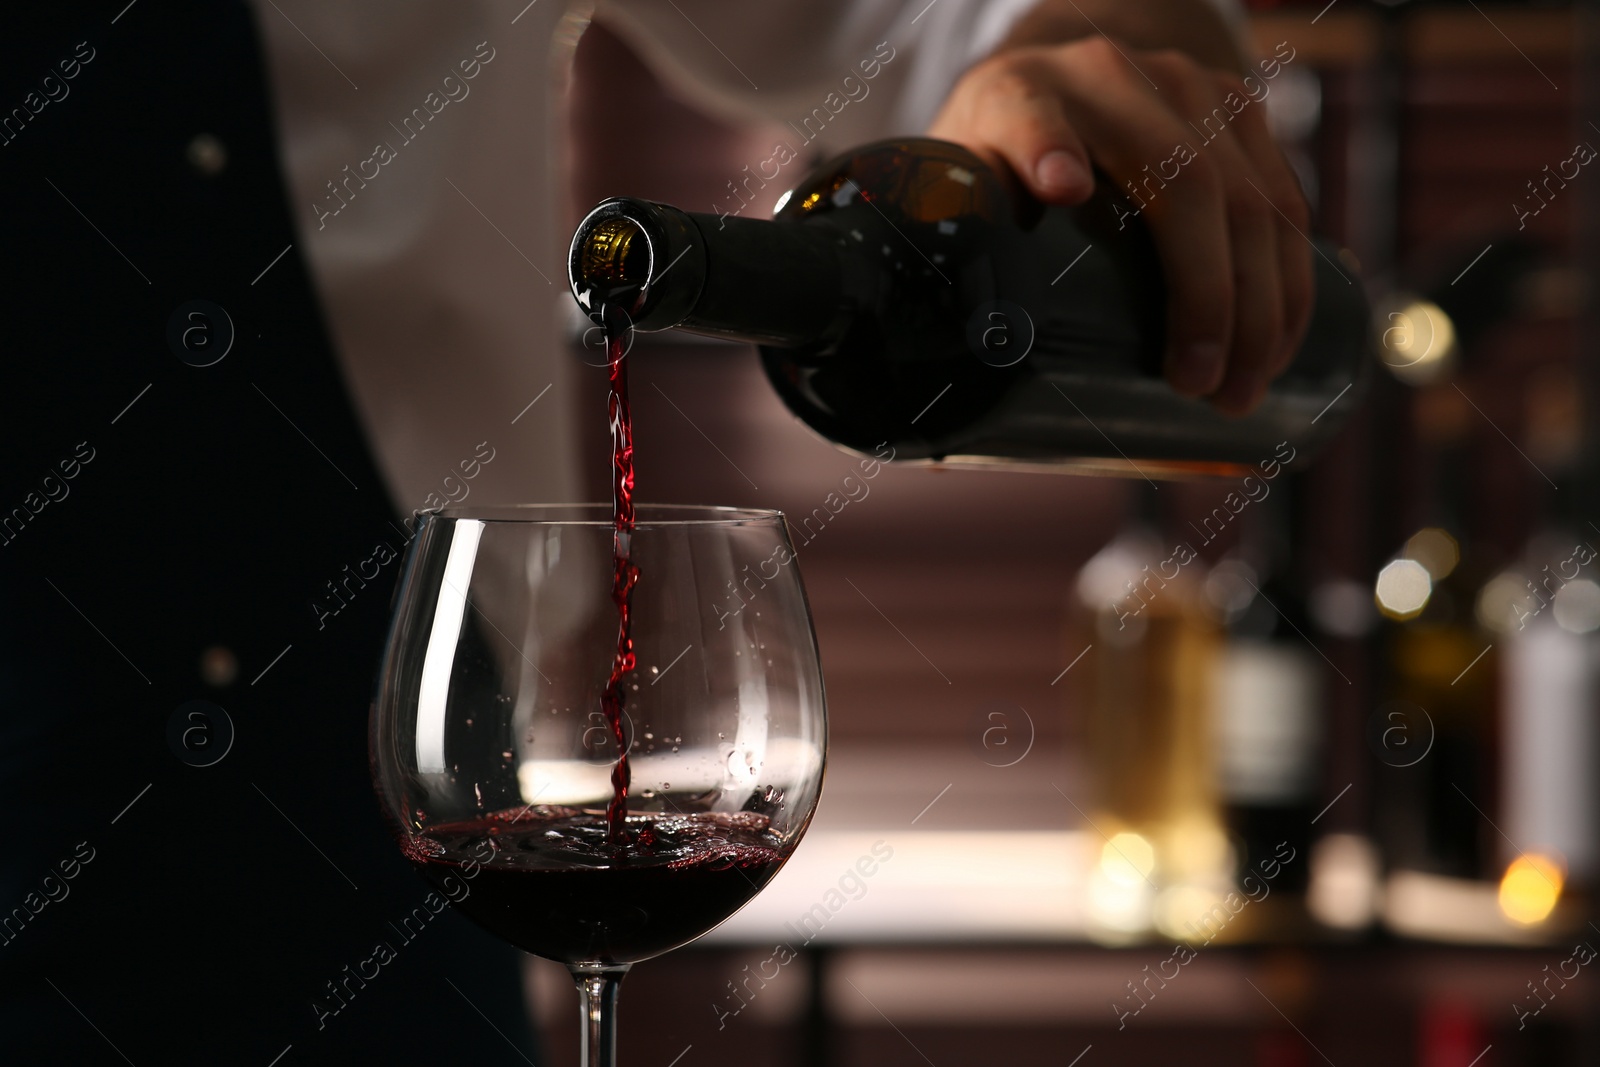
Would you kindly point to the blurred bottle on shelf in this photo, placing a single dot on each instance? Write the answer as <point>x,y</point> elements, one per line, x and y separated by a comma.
<point>1267,699</point>
<point>1144,698</point>
<point>1547,612</point>
<point>1435,727</point>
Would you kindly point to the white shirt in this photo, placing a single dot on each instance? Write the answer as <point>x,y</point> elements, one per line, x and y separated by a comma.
<point>440,259</point>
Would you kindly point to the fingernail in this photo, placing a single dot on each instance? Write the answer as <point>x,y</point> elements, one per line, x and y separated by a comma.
<point>1195,371</point>
<point>1060,170</point>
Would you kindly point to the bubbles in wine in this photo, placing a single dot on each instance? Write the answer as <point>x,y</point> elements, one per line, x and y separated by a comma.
<point>553,836</point>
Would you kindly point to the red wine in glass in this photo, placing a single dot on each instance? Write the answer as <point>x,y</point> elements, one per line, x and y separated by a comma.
<point>490,694</point>
<point>551,881</point>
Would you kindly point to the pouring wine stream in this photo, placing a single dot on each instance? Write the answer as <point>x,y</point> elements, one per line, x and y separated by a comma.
<point>625,574</point>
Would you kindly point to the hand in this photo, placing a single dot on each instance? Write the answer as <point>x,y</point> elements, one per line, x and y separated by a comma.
<point>1238,274</point>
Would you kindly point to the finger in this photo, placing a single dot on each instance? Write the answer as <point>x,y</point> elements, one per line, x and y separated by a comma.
<point>1132,134</point>
<point>1258,311</point>
<point>1281,189</point>
<point>1299,292</point>
<point>1189,225</point>
<point>1180,187</point>
<point>1215,108</point>
<point>1011,110</point>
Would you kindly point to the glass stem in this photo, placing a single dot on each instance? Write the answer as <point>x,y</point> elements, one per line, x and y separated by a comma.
<point>597,986</point>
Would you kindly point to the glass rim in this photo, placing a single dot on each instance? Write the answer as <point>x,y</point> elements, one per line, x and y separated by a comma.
<point>645,515</point>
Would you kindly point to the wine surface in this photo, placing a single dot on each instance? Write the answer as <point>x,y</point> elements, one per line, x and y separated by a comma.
<point>554,882</point>
<point>624,574</point>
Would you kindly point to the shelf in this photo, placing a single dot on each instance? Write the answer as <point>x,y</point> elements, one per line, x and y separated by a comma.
<point>1001,856</point>
<point>1435,37</point>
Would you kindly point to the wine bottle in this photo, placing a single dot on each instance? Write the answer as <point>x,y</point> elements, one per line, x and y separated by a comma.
<point>1141,697</point>
<point>902,295</point>
<point>1267,698</point>
<point>1440,680</point>
<point>1550,683</point>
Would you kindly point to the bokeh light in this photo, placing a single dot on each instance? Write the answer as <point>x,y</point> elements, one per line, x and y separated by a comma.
<point>1120,893</point>
<point>1577,606</point>
<point>1230,587</point>
<point>1502,602</point>
<point>1418,342</point>
<point>1436,550</point>
<point>1530,889</point>
<point>1403,589</point>
<point>1190,912</point>
<point>1128,859</point>
<point>1343,893</point>
<point>1343,607</point>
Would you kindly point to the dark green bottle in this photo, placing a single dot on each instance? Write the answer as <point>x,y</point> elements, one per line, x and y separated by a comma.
<point>902,295</point>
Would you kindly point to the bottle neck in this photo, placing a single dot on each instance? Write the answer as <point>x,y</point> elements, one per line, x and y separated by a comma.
<point>764,282</point>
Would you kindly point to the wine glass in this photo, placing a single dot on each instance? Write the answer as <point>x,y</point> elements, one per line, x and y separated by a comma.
<point>496,761</point>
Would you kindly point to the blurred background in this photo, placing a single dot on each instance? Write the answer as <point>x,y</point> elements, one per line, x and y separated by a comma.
<point>1326,796</point>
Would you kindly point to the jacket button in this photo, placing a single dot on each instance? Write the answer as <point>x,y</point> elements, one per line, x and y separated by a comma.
<point>207,155</point>
<point>219,666</point>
